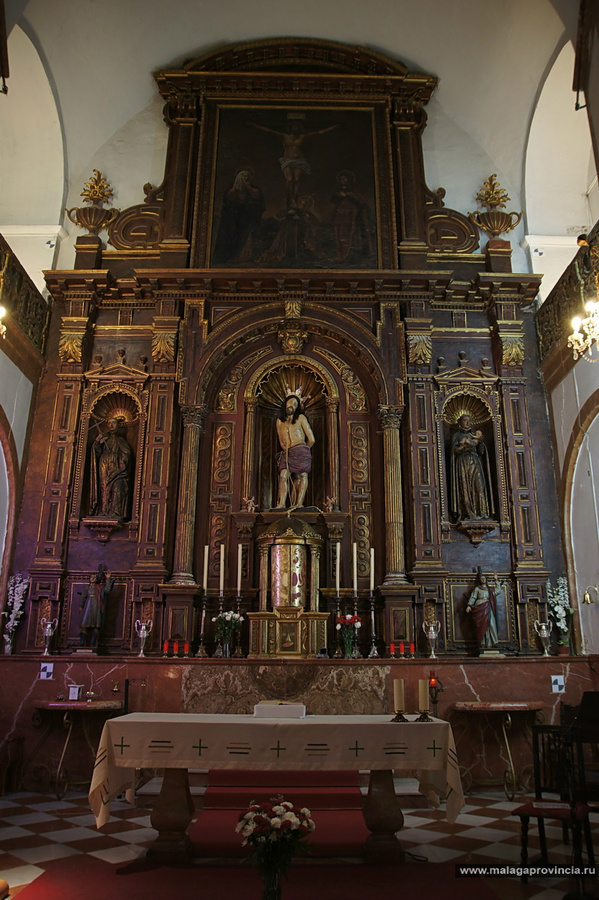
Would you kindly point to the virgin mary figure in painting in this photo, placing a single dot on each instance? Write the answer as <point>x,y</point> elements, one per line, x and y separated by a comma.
<point>240,219</point>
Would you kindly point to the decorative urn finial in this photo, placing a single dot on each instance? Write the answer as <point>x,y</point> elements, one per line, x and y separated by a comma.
<point>495,221</point>
<point>94,218</point>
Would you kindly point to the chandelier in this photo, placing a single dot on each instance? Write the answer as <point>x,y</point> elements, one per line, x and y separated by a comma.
<point>586,332</point>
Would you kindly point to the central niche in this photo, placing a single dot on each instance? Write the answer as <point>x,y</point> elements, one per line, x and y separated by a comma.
<point>270,395</point>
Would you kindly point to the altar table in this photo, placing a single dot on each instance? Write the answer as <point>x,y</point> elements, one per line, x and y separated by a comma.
<point>177,742</point>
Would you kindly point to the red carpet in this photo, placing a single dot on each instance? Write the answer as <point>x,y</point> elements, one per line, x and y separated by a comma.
<point>83,877</point>
<point>333,797</point>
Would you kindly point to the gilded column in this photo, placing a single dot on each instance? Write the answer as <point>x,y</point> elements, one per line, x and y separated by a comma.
<point>263,601</point>
<point>193,426</point>
<point>314,580</point>
<point>333,449</point>
<point>249,447</point>
<point>394,525</point>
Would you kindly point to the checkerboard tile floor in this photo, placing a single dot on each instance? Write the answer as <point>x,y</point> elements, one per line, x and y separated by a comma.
<point>37,828</point>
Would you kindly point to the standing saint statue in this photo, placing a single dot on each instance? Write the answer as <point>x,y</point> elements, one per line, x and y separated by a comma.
<point>93,607</point>
<point>295,458</point>
<point>110,482</point>
<point>482,604</point>
<point>470,488</point>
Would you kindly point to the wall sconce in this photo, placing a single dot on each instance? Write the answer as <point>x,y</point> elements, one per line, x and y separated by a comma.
<point>587,596</point>
<point>581,341</point>
<point>2,325</point>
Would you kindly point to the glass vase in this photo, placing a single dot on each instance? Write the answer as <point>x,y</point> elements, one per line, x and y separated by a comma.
<point>271,883</point>
<point>348,644</point>
<point>226,649</point>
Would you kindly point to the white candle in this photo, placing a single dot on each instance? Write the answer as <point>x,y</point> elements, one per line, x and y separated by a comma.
<point>338,567</point>
<point>355,560</point>
<point>399,702</point>
<point>221,584</point>
<point>239,553</point>
<point>371,569</point>
<point>205,576</point>
<point>423,695</point>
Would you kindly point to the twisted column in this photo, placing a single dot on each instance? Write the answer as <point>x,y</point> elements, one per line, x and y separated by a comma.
<point>390,418</point>
<point>193,426</point>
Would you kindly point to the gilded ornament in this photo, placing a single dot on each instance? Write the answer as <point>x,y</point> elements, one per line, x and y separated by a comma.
<point>292,339</point>
<point>163,347</point>
<point>70,347</point>
<point>94,218</point>
<point>420,349</point>
<point>513,350</point>
<point>494,221</point>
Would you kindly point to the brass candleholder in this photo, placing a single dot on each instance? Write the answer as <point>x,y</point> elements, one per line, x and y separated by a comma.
<point>399,716</point>
<point>424,716</point>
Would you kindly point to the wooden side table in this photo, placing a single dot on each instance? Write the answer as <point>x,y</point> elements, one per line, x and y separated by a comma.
<point>506,708</point>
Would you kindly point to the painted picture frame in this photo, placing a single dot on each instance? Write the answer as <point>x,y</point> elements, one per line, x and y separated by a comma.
<point>295,187</point>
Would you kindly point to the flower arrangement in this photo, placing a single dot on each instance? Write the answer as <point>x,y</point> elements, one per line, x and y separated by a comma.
<point>273,830</point>
<point>14,612</point>
<point>226,623</point>
<point>560,609</point>
<point>348,626</point>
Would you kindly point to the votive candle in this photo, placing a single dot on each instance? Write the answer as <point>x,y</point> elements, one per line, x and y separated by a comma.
<point>165,647</point>
<point>402,647</point>
<point>392,649</point>
<point>186,647</point>
<point>411,648</point>
<point>176,647</point>
<point>399,702</point>
<point>423,695</point>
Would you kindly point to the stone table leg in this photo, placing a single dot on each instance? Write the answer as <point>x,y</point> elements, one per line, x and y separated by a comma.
<point>171,815</point>
<point>383,817</point>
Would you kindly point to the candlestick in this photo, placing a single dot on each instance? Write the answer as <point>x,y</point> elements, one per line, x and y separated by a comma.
<point>355,568</point>
<point>205,576</point>
<point>372,569</point>
<point>221,582</point>
<point>239,558</point>
<point>338,567</point>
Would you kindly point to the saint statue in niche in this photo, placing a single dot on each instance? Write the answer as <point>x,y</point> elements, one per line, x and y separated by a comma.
<point>482,604</point>
<point>295,458</point>
<point>471,496</point>
<point>93,607</point>
<point>110,470</point>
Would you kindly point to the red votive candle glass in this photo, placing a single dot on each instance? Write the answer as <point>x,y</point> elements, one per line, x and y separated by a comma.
<point>176,647</point>
<point>165,647</point>
<point>186,647</point>
<point>392,649</point>
<point>402,648</point>
<point>411,648</point>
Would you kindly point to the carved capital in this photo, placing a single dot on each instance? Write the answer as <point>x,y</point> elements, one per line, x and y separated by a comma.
<point>390,416</point>
<point>193,415</point>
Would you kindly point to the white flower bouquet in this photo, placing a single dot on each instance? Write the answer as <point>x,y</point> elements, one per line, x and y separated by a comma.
<point>226,623</point>
<point>560,609</point>
<point>14,611</point>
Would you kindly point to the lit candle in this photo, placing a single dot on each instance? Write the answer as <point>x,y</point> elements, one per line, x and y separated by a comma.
<point>399,703</point>
<point>355,566</point>
<point>338,568</point>
<point>239,556</point>
<point>423,697</point>
<point>371,569</point>
<point>205,577</point>
<point>402,648</point>
<point>176,648</point>
<point>432,679</point>
<point>221,583</point>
